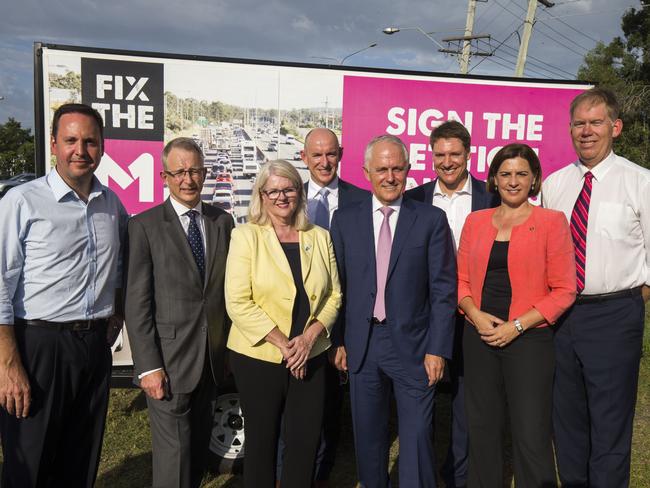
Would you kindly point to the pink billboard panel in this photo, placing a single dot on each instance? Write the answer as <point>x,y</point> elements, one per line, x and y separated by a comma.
<point>495,115</point>
<point>132,170</point>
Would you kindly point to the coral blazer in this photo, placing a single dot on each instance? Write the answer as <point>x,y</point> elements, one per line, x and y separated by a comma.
<point>541,262</point>
<point>260,290</point>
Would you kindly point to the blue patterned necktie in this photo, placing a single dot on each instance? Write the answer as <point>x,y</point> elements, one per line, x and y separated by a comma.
<point>319,209</point>
<point>196,243</point>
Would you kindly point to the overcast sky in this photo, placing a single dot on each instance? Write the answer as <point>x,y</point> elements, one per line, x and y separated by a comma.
<point>303,31</point>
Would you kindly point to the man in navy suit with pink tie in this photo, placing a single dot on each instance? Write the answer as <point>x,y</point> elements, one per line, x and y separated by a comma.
<point>398,271</point>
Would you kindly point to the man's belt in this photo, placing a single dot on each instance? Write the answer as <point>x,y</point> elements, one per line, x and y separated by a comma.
<point>75,325</point>
<point>603,297</point>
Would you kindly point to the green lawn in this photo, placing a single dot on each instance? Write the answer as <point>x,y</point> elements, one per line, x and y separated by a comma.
<point>126,457</point>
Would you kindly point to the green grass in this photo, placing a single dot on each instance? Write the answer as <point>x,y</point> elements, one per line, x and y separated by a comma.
<point>126,456</point>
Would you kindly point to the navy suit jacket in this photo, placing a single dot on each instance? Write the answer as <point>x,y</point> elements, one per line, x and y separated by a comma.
<point>481,198</point>
<point>348,193</point>
<point>420,289</point>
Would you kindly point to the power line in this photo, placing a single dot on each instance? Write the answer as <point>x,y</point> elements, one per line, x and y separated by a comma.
<point>573,29</point>
<point>502,42</point>
<point>541,63</point>
<point>555,31</point>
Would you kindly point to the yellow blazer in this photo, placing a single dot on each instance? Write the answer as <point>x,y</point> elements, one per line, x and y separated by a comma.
<point>260,291</point>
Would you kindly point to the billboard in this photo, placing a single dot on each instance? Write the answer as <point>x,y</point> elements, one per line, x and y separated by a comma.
<point>148,99</point>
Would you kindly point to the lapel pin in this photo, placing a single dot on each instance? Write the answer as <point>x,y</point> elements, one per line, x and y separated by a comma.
<point>307,248</point>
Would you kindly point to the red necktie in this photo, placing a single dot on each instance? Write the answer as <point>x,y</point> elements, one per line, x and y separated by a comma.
<point>579,221</point>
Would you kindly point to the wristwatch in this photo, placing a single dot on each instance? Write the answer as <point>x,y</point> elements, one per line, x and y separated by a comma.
<point>518,326</point>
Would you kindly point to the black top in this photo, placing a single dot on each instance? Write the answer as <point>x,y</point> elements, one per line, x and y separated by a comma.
<point>300,313</point>
<point>497,293</point>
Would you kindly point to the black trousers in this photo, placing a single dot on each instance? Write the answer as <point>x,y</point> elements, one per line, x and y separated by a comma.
<point>331,429</point>
<point>267,392</point>
<point>59,444</point>
<point>518,377</point>
<point>598,350</point>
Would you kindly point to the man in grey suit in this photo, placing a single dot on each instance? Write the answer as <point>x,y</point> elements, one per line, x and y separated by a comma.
<point>176,316</point>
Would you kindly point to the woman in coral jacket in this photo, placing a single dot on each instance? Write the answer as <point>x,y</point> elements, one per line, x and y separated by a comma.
<point>283,295</point>
<point>516,276</point>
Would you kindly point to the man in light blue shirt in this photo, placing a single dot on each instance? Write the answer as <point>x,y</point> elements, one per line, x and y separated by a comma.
<point>60,264</point>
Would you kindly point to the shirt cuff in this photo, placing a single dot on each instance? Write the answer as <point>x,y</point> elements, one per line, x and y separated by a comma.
<point>142,375</point>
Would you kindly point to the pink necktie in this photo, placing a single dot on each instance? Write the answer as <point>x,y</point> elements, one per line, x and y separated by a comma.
<point>384,244</point>
<point>579,221</point>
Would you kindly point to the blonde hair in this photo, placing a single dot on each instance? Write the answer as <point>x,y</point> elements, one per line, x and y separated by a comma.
<point>256,212</point>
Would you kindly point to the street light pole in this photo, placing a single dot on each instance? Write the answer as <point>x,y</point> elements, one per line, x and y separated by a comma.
<point>389,31</point>
<point>357,52</point>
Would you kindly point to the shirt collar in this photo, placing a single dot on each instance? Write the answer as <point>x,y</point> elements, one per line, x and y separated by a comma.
<point>465,190</point>
<point>376,204</point>
<point>600,170</point>
<point>60,188</point>
<point>181,209</point>
<point>313,187</point>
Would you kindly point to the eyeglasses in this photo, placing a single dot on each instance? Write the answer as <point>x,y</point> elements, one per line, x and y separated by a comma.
<point>581,124</point>
<point>275,193</point>
<point>195,173</point>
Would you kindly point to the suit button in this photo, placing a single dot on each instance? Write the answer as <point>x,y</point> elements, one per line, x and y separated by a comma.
<point>313,297</point>
<point>203,329</point>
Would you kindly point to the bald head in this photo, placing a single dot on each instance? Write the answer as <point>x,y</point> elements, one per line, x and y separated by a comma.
<point>321,155</point>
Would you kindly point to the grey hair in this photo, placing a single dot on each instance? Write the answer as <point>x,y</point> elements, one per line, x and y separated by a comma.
<point>390,139</point>
<point>184,143</point>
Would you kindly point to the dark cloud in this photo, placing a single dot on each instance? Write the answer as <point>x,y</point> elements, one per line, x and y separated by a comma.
<point>301,31</point>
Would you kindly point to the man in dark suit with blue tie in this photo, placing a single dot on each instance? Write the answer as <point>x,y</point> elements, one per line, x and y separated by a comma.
<point>326,192</point>
<point>458,193</point>
<point>397,268</point>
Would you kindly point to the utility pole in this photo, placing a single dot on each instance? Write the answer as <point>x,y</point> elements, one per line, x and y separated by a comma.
<point>469,27</point>
<point>528,30</point>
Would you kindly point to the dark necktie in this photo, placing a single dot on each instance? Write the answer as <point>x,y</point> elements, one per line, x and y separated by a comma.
<point>579,222</point>
<point>196,243</point>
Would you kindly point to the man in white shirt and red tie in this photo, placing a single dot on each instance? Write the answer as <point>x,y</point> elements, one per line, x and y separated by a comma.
<point>598,342</point>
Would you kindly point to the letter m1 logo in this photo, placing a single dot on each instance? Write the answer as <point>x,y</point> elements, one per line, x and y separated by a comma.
<point>130,98</point>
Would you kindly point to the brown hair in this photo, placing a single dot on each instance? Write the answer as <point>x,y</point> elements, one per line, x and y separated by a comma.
<point>451,129</point>
<point>516,150</point>
<point>595,96</point>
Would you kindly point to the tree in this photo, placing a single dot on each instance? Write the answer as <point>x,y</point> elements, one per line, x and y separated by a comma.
<point>16,148</point>
<point>623,66</point>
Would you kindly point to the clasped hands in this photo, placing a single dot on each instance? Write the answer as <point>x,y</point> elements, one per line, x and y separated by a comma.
<point>493,330</point>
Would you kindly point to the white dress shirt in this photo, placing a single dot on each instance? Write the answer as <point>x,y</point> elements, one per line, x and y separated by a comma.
<point>181,210</point>
<point>618,231</point>
<point>378,217</point>
<point>332,199</point>
<point>457,207</point>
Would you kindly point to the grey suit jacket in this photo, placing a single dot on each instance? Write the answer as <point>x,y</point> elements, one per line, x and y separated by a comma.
<point>170,315</point>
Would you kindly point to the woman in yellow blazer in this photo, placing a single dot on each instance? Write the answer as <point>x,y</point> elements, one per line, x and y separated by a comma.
<point>283,296</point>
